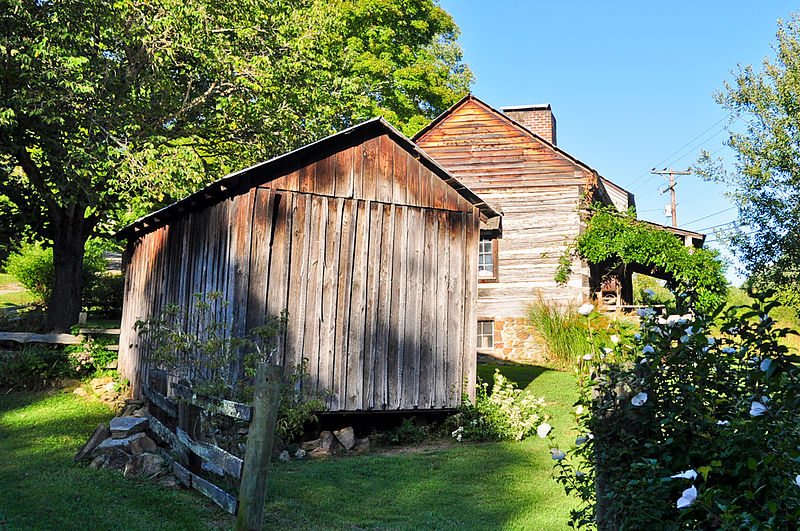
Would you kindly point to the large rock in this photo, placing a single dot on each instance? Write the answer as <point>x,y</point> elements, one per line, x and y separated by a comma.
<point>99,435</point>
<point>346,437</point>
<point>142,444</point>
<point>97,383</point>
<point>111,444</point>
<point>329,442</point>
<point>308,446</point>
<point>319,452</point>
<point>116,459</point>
<point>145,465</point>
<point>122,427</point>
<point>80,391</point>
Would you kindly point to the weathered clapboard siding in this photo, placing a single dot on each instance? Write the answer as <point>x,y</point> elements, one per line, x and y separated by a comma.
<point>538,188</point>
<point>371,252</point>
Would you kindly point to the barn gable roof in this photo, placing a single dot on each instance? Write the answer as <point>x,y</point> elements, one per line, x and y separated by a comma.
<point>264,172</point>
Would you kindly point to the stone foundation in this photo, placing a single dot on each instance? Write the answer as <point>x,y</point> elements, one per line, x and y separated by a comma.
<point>514,341</point>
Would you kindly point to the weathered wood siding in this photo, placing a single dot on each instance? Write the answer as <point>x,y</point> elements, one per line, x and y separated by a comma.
<point>371,253</point>
<point>538,190</point>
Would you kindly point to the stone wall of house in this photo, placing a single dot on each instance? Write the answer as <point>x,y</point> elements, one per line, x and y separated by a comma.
<point>513,341</point>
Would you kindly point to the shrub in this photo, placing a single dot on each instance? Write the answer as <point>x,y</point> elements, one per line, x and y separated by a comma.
<point>692,431</point>
<point>507,414</point>
<point>33,368</point>
<point>32,266</point>
<point>566,333</point>
<point>220,364</point>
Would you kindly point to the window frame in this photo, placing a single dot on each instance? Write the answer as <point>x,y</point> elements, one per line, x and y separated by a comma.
<point>493,277</point>
<point>490,348</point>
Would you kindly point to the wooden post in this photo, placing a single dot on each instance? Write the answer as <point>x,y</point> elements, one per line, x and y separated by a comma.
<point>253,488</point>
<point>189,422</point>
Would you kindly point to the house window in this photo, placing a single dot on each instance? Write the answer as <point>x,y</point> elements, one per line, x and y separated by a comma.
<point>487,260</point>
<point>485,334</point>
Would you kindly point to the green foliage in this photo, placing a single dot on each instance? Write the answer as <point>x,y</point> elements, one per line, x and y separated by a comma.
<point>566,334</point>
<point>297,407</point>
<point>619,239</point>
<point>104,117</point>
<point>32,266</point>
<point>507,414</point>
<point>91,356</point>
<point>408,432</point>
<point>765,181</point>
<point>651,291</point>
<point>721,410</point>
<point>209,353</point>
<point>33,368</point>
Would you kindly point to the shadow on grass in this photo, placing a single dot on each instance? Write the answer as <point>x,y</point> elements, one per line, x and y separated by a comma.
<point>44,489</point>
<point>483,486</point>
<point>521,375</point>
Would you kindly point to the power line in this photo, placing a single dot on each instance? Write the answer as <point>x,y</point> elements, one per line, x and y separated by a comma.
<point>668,157</point>
<point>710,215</point>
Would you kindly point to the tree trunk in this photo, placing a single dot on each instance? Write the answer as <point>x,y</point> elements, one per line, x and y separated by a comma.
<point>69,240</point>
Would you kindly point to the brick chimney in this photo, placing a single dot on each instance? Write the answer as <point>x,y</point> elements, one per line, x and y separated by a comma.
<point>538,118</point>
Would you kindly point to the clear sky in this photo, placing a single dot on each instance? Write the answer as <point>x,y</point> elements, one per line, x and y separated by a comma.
<point>631,84</point>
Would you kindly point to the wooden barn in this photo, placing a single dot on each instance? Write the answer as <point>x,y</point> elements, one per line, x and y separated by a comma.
<point>510,158</point>
<point>366,240</point>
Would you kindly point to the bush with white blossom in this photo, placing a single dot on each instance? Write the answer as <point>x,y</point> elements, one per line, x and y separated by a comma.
<point>505,414</point>
<point>698,429</point>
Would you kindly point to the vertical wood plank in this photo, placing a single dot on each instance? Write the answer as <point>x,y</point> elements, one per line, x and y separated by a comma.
<point>413,309</point>
<point>385,175</point>
<point>298,279</point>
<point>259,257</point>
<point>399,177</point>
<point>292,181</point>
<point>348,181</point>
<point>455,308</point>
<point>470,301</point>
<point>312,317</point>
<point>374,266</point>
<point>347,235</point>
<point>397,320</point>
<point>427,368</point>
<point>369,168</point>
<point>384,306</point>
<point>412,180</point>
<point>330,287</point>
<point>325,181</point>
<point>307,177</point>
<point>241,245</point>
<point>278,285</point>
<point>358,306</point>
<point>441,389</point>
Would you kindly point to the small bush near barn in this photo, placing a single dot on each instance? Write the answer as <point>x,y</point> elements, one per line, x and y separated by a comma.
<point>691,431</point>
<point>505,414</point>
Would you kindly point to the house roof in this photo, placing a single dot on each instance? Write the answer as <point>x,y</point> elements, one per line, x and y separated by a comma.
<point>697,238</point>
<point>264,172</point>
<point>514,123</point>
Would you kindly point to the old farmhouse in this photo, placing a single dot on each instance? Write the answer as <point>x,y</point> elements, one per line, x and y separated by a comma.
<point>510,159</point>
<point>369,243</point>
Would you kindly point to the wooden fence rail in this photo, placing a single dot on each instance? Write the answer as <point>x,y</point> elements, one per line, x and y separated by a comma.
<point>251,471</point>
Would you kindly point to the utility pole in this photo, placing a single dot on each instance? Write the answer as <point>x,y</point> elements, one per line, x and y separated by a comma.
<point>672,173</point>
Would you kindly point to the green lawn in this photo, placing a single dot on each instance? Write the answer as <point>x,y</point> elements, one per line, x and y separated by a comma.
<point>466,486</point>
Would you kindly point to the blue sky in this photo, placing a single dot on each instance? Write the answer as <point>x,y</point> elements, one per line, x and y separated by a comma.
<point>631,84</point>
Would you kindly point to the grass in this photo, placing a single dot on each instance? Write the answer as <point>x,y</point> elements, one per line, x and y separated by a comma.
<point>465,486</point>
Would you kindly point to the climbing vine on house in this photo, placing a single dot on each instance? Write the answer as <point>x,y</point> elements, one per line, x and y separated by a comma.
<point>616,239</point>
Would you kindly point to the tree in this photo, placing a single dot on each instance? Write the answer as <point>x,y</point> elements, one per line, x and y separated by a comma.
<point>109,109</point>
<point>765,184</point>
